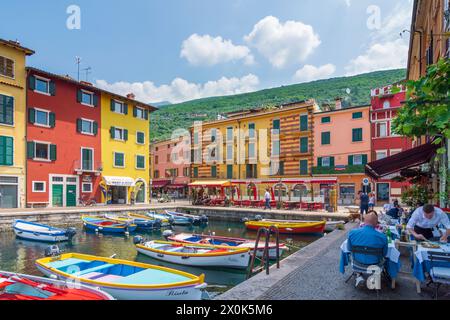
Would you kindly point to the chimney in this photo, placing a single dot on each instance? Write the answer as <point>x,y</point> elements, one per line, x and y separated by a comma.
<point>338,103</point>
<point>131,96</point>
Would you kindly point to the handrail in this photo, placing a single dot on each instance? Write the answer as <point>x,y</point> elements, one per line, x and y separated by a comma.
<point>265,259</point>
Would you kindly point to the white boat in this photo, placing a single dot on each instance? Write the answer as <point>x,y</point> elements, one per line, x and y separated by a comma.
<point>198,255</point>
<point>39,232</point>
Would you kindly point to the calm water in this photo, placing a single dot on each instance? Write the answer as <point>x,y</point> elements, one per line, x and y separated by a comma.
<point>17,255</point>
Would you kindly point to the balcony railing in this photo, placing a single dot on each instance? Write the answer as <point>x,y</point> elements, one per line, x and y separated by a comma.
<point>334,170</point>
<point>89,167</point>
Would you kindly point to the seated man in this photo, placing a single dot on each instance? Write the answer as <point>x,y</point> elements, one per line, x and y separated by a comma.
<point>395,212</point>
<point>424,219</point>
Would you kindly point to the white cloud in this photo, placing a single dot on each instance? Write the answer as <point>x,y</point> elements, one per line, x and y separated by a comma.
<point>283,44</point>
<point>311,73</point>
<point>206,50</point>
<point>380,56</point>
<point>180,90</point>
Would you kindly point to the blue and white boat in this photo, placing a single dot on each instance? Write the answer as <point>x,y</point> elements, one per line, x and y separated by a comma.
<point>40,232</point>
<point>99,224</point>
<point>187,219</point>
<point>164,217</point>
<point>141,223</point>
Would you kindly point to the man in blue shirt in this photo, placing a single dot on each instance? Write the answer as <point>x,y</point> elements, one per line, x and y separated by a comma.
<point>364,203</point>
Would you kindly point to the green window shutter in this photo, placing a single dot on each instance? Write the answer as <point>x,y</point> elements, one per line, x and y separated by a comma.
<point>6,110</point>
<point>30,149</point>
<point>79,96</point>
<point>325,138</point>
<point>303,167</point>
<point>79,125</point>
<point>281,169</point>
<point>304,145</point>
<point>2,150</point>
<point>52,152</point>
<point>51,119</point>
<point>31,115</point>
<point>276,124</point>
<point>112,105</point>
<point>140,137</point>
<point>357,135</point>
<point>319,162</point>
<point>364,159</point>
<point>119,160</point>
<point>95,128</point>
<point>357,115</point>
<point>332,162</point>
<point>230,171</point>
<point>326,120</point>
<point>146,114</point>
<point>9,153</point>
<point>134,112</point>
<point>213,171</point>
<point>304,123</point>
<point>350,160</point>
<point>31,83</point>
<point>196,172</point>
<point>111,132</point>
<point>125,108</point>
<point>125,135</point>
<point>52,88</point>
<point>95,100</point>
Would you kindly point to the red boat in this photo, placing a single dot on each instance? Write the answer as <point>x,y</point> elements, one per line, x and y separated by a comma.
<point>15,286</point>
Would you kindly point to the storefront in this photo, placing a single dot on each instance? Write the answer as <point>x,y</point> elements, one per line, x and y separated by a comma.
<point>9,192</point>
<point>118,189</point>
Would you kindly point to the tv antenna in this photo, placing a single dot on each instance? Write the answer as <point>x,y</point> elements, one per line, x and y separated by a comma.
<point>88,70</point>
<point>78,62</point>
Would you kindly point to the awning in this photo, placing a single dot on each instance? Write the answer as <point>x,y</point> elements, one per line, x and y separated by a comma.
<point>403,160</point>
<point>119,181</point>
<point>210,184</point>
<point>160,183</point>
<point>176,186</point>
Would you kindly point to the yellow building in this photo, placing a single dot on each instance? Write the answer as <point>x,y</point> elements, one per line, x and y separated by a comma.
<point>125,148</point>
<point>257,149</point>
<point>12,123</point>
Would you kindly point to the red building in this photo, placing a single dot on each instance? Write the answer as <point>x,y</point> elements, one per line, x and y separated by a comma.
<point>384,107</point>
<point>63,140</point>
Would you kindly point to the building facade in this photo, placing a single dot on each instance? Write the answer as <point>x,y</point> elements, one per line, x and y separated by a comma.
<point>12,124</point>
<point>342,148</point>
<point>171,168</point>
<point>125,149</point>
<point>64,157</point>
<point>384,108</point>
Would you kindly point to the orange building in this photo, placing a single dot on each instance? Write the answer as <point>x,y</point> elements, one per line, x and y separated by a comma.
<point>342,148</point>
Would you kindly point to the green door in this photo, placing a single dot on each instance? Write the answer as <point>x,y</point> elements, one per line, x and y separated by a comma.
<point>57,195</point>
<point>71,195</point>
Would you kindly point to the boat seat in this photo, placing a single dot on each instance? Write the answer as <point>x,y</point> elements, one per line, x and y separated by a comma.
<point>152,277</point>
<point>64,263</point>
<point>174,249</point>
<point>94,269</point>
<point>108,278</point>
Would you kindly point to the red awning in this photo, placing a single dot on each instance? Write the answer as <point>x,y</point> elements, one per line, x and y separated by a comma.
<point>177,186</point>
<point>403,160</point>
<point>160,183</point>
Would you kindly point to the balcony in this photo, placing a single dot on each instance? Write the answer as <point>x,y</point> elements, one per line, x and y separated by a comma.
<point>88,167</point>
<point>334,170</point>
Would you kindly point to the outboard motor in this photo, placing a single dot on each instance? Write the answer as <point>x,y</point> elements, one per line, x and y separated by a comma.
<point>245,219</point>
<point>52,251</point>
<point>258,218</point>
<point>167,233</point>
<point>204,219</point>
<point>138,240</point>
<point>157,224</point>
<point>171,220</point>
<point>70,233</point>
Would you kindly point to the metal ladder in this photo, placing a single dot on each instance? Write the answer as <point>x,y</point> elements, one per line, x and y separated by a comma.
<point>265,257</point>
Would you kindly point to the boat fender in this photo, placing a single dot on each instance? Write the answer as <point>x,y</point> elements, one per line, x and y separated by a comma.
<point>138,240</point>
<point>258,218</point>
<point>52,251</point>
<point>167,233</point>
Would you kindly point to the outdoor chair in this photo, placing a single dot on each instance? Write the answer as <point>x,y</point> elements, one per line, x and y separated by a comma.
<point>362,268</point>
<point>439,270</point>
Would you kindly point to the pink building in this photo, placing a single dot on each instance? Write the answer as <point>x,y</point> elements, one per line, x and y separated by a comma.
<point>169,169</point>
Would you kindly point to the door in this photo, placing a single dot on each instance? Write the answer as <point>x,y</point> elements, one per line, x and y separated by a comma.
<point>8,196</point>
<point>71,195</point>
<point>383,192</point>
<point>57,195</point>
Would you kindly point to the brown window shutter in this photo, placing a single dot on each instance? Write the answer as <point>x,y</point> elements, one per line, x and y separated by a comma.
<point>9,68</point>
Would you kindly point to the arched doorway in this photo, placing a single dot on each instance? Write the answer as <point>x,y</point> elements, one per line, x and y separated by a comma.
<point>140,191</point>
<point>281,192</point>
<point>299,192</point>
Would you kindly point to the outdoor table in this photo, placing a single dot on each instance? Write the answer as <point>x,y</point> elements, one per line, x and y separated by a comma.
<point>392,263</point>
<point>422,264</point>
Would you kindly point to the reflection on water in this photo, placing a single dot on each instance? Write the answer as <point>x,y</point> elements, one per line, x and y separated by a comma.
<point>18,255</point>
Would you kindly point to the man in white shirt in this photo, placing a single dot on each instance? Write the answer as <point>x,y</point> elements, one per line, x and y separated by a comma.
<point>424,219</point>
<point>267,198</point>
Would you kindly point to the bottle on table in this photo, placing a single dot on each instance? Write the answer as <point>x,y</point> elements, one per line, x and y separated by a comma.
<point>389,235</point>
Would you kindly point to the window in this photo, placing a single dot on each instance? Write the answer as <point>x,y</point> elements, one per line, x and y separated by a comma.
<point>357,159</point>
<point>213,135</point>
<point>251,171</point>
<point>276,126</point>
<point>156,174</point>
<point>386,104</point>
<point>304,123</point>
<point>87,98</point>
<point>186,172</point>
<point>357,115</point>
<point>325,120</point>
<point>251,131</point>
<point>87,159</point>
<point>230,134</point>
<point>357,135</point>
<point>140,113</point>
<point>196,138</point>
<point>39,186</point>
<point>156,159</point>
<point>119,134</point>
<point>140,162</point>
<point>281,168</point>
<point>304,145</point>
<point>42,151</point>
<point>326,162</point>
<point>326,138</point>
<point>230,171</point>
<point>6,67</point>
<point>119,160</point>
<point>6,151</point>
<point>195,172</point>
<point>86,187</point>
<point>381,129</point>
<point>230,152</point>
<point>119,107</point>
<point>42,85</point>
<point>214,171</point>
<point>303,167</point>
<point>276,147</point>
<point>251,151</point>
<point>395,151</point>
<point>381,154</point>
<point>6,110</point>
<point>42,117</point>
<point>140,137</point>
<point>86,126</point>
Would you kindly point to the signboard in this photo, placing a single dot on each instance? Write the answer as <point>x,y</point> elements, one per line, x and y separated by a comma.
<point>366,181</point>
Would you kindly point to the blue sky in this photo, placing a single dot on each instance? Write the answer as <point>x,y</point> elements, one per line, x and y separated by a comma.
<point>176,50</point>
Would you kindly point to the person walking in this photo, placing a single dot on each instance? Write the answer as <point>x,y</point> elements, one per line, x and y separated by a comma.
<point>267,199</point>
<point>372,201</point>
<point>364,203</point>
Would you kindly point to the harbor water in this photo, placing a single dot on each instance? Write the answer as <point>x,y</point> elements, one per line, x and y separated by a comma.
<point>17,255</point>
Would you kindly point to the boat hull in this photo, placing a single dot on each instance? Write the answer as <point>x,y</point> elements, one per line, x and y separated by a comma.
<point>289,228</point>
<point>94,226</point>
<point>25,230</point>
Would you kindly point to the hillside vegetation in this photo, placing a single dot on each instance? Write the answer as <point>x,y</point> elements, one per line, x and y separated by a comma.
<point>182,115</point>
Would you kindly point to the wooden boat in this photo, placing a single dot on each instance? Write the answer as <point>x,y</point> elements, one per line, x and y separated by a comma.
<point>182,218</point>
<point>164,221</point>
<point>14,286</point>
<point>139,222</point>
<point>100,224</point>
<point>297,227</point>
<point>228,241</point>
<point>40,232</point>
<point>164,217</point>
<point>198,255</point>
<point>123,279</point>
<point>329,225</point>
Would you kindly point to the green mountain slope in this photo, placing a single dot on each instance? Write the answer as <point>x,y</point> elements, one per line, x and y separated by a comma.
<point>182,115</point>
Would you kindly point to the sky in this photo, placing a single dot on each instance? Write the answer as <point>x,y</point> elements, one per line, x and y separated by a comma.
<point>179,50</point>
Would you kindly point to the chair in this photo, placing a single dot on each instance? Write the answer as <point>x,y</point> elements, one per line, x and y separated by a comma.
<point>439,269</point>
<point>359,267</point>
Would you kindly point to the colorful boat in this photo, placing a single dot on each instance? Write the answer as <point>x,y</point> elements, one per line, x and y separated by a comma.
<point>329,225</point>
<point>40,232</point>
<point>198,255</point>
<point>164,220</point>
<point>100,224</point>
<point>141,223</point>
<point>124,280</point>
<point>164,217</point>
<point>182,218</point>
<point>14,286</point>
<point>228,241</point>
<point>297,227</point>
